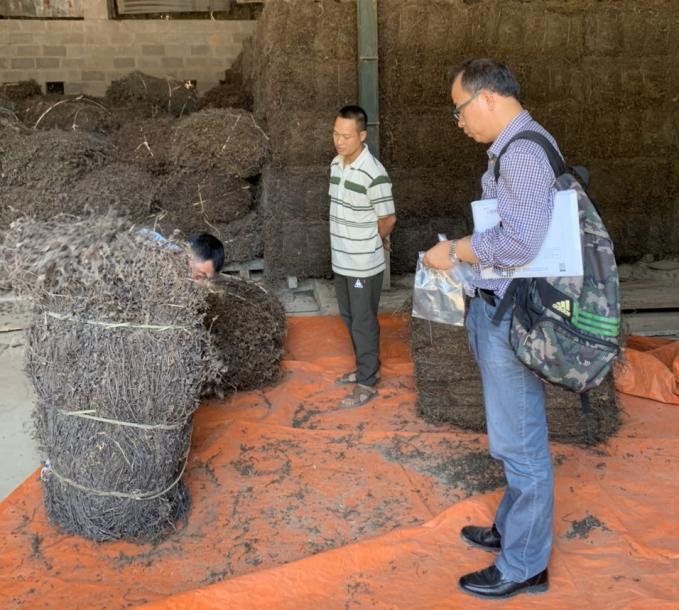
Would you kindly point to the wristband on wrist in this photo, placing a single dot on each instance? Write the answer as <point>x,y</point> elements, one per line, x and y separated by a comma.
<point>453,250</point>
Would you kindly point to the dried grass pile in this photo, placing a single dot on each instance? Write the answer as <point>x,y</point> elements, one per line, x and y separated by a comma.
<point>203,161</point>
<point>413,235</point>
<point>224,140</point>
<point>229,93</point>
<point>9,121</point>
<point>196,201</point>
<point>146,143</point>
<point>7,106</point>
<point>300,65</point>
<point>39,171</point>
<point>150,96</point>
<point>116,353</point>
<point>446,376</point>
<point>248,325</point>
<point>77,113</point>
<point>138,151</point>
<point>20,90</point>
<point>449,390</point>
<point>54,157</point>
<point>294,212</point>
<point>242,238</point>
<point>128,189</point>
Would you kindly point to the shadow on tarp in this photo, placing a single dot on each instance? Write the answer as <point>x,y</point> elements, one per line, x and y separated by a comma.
<point>297,504</point>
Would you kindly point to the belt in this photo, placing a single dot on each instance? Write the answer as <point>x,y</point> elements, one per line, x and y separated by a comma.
<point>487,295</point>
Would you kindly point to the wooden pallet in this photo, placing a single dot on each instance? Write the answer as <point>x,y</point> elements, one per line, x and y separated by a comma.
<point>650,307</point>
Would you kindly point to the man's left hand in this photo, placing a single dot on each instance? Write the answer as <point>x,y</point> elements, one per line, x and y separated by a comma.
<point>438,257</point>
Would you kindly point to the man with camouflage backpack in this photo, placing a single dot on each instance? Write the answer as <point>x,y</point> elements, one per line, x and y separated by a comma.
<point>487,108</point>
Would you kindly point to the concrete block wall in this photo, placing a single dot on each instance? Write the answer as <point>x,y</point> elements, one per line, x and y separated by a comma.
<point>87,54</point>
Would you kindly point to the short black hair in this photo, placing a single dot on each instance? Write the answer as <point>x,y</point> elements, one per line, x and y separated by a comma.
<point>357,113</point>
<point>207,247</point>
<point>484,73</point>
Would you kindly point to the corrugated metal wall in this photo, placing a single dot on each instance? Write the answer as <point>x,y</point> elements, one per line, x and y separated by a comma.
<point>42,8</point>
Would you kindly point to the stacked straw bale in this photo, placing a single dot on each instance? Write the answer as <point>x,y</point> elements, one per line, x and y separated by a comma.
<point>150,96</point>
<point>117,352</point>
<point>247,325</point>
<point>308,50</point>
<point>225,140</point>
<point>192,174</point>
<point>208,162</point>
<point>40,170</point>
<point>413,235</point>
<point>449,390</point>
<point>75,113</point>
<point>9,120</point>
<point>200,200</point>
<point>30,159</point>
<point>229,93</point>
<point>146,143</point>
<point>301,67</point>
<point>116,186</point>
<point>242,238</point>
<point>295,221</point>
<point>19,91</point>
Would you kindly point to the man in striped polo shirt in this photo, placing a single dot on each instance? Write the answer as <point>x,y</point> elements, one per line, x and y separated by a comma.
<point>362,217</point>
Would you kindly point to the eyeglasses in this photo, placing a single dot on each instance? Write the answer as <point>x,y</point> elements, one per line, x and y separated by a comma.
<point>457,112</point>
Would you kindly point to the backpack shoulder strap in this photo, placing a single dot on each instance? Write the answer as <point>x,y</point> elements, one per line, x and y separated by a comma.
<point>507,300</point>
<point>553,156</point>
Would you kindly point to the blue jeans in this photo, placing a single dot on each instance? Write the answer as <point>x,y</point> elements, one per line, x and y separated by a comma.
<point>517,435</point>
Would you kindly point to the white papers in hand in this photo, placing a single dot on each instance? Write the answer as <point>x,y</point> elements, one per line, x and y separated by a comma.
<point>561,252</point>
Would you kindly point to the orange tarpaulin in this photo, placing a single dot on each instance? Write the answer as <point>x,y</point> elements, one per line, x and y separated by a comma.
<point>650,369</point>
<point>297,504</point>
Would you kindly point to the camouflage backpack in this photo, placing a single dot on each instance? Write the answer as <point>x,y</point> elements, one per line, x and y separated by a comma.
<point>566,329</point>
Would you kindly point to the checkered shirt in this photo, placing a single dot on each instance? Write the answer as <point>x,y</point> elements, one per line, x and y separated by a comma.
<point>525,199</point>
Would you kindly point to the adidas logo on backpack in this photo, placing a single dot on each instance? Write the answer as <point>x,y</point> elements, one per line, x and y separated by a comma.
<point>563,307</point>
<point>566,329</point>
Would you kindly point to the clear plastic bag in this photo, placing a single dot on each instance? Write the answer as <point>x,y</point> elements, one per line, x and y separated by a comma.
<point>463,273</point>
<point>438,296</point>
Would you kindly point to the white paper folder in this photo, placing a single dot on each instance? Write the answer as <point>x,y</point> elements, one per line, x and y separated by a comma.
<point>561,252</point>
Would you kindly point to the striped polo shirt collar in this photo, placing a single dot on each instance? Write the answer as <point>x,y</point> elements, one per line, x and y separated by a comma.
<point>358,162</point>
<point>515,126</point>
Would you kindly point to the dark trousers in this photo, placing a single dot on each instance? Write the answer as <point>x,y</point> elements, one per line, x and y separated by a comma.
<point>358,299</point>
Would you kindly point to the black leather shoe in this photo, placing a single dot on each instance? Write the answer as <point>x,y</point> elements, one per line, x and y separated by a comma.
<point>486,538</point>
<point>489,583</point>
